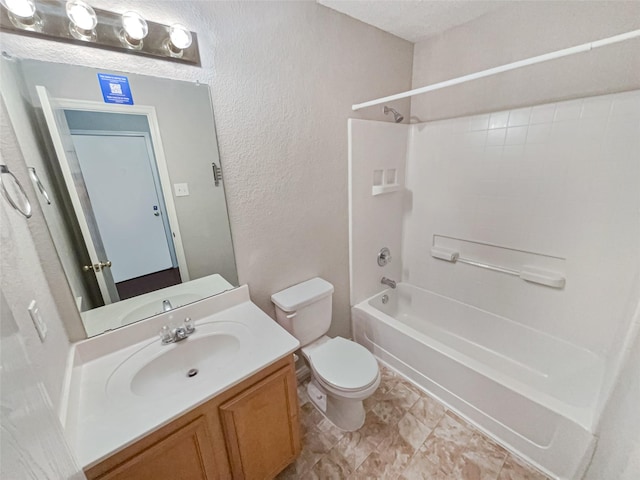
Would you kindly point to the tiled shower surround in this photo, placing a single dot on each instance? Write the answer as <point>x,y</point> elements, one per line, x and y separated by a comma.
<point>406,435</point>
<point>550,186</point>
<point>556,180</point>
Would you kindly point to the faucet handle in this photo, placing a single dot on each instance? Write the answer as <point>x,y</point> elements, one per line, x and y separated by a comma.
<point>189,325</point>
<point>384,256</point>
<point>165,334</point>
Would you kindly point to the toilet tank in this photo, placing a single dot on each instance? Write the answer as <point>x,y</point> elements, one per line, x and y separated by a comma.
<point>304,310</point>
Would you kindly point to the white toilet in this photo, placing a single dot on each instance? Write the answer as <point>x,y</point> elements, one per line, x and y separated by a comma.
<point>344,372</point>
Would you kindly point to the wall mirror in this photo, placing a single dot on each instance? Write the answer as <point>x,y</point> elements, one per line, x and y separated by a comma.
<point>130,182</point>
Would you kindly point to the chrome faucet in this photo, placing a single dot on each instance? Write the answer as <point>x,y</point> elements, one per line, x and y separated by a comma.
<point>166,306</point>
<point>388,282</point>
<point>176,334</point>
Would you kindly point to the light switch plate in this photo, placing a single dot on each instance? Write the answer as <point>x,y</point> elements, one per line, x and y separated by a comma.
<point>181,189</point>
<point>38,321</point>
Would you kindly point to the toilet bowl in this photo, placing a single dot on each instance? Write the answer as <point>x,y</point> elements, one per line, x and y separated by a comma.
<point>344,373</point>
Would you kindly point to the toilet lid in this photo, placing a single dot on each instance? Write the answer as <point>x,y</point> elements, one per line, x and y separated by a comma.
<point>344,364</point>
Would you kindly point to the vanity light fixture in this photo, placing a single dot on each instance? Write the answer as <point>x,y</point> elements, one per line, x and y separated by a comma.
<point>83,20</point>
<point>134,30</point>
<point>179,39</point>
<point>77,22</point>
<point>22,14</point>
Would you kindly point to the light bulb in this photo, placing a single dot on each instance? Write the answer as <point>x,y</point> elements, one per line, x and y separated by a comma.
<point>180,36</point>
<point>23,14</point>
<point>23,9</point>
<point>82,15</point>
<point>134,26</point>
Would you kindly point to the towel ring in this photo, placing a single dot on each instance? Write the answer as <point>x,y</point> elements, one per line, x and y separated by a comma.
<point>26,209</point>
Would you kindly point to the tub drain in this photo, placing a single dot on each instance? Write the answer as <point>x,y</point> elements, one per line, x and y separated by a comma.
<point>192,373</point>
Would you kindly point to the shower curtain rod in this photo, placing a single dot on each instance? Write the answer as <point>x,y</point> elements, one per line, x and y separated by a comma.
<point>585,47</point>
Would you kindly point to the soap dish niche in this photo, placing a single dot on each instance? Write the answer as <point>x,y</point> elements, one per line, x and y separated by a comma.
<point>385,181</point>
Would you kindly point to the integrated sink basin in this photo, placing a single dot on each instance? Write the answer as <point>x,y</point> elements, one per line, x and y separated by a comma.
<point>165,370</point>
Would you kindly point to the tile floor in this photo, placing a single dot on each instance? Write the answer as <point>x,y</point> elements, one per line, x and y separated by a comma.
<point>406,435</point>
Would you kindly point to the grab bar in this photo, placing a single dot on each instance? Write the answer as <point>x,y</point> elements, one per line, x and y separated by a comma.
<point>508,271</point>
<point>528,273</point>
<point>26,205</point>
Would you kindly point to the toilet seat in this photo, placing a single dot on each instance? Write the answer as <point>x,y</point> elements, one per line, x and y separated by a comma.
<point>344,365</point>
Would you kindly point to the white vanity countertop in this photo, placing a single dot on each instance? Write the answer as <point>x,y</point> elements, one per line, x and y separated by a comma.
<point>101,416</point>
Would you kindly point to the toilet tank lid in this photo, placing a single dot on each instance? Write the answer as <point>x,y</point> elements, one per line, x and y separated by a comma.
<point>302,294</point>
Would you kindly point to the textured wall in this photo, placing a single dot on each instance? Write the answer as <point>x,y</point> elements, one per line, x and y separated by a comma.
<point>54,229</point>
<point>32,445</point>
<point>283,77</point>
<point>22,278</point>
<point>511,34</point>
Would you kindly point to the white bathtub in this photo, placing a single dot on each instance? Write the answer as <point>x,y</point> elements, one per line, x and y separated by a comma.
<point>533,393</point>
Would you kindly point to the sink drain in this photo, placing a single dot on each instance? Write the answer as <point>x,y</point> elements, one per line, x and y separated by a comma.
<point>192,373</point>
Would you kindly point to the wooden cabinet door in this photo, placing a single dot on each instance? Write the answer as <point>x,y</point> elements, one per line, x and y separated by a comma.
<point>261,427</point>
<point>186,454</point>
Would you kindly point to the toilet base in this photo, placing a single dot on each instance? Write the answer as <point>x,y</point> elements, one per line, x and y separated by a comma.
<point>346,414</point>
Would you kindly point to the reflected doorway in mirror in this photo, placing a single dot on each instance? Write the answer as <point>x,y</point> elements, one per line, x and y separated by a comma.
<point>97,164</point>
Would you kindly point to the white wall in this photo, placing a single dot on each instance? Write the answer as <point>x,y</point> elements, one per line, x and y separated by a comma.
<point>67,256</point>
<point>617,453</point>
<point>556,179</point>
<point>502,37</point>
<point>32,445</point>
<point>22,277</point>
<point>283,77</point>
<point>375,221</point>
<point>516,33</point>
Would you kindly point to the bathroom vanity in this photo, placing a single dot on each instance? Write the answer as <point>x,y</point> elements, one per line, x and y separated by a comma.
<point>219,404</point>
<point>249,431</point>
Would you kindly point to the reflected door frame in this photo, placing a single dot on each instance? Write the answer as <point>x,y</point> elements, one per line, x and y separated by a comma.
<point>156,140</point>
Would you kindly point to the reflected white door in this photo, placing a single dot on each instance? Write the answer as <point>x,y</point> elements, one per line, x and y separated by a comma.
<point>65,150</point>
<point>117,172</point>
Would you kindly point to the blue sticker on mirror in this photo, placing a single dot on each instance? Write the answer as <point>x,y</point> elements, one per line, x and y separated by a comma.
<point>115,89</point>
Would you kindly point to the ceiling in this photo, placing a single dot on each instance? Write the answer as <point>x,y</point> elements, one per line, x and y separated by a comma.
<point>414,20</point>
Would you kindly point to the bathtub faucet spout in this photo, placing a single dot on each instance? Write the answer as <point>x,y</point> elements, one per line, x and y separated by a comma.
<point>388,282</point>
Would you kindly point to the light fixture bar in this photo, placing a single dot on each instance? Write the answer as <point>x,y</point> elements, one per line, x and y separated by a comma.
<point>53,24</point>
